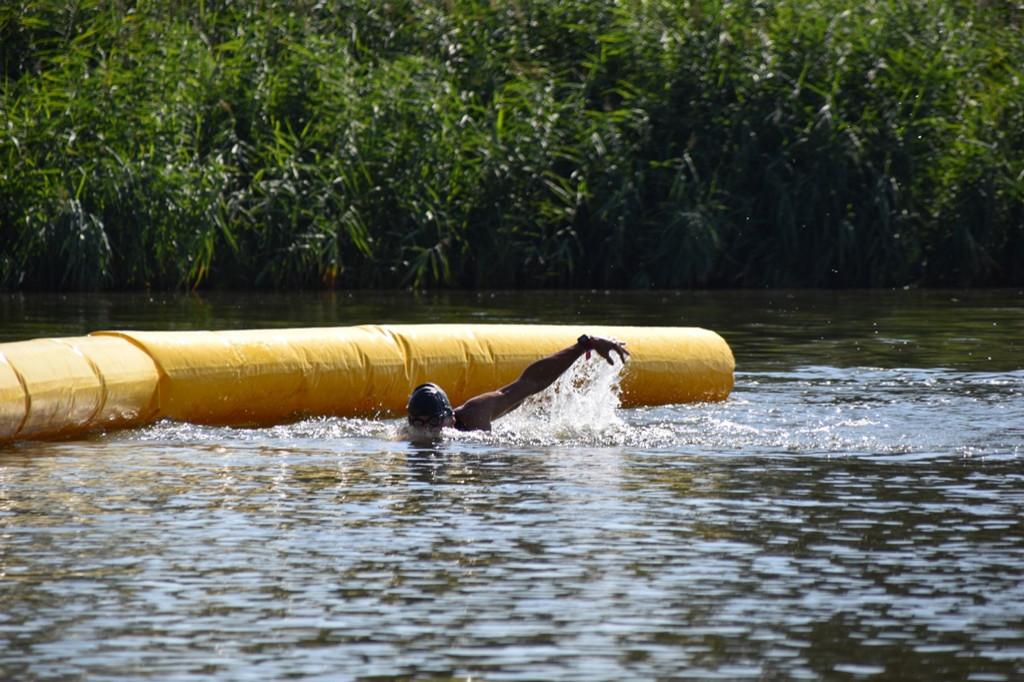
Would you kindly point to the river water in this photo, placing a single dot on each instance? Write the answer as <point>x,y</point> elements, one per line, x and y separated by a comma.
<point>852,512</point>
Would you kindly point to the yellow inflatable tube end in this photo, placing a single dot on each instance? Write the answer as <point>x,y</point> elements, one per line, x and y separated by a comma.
<point>57,387</point>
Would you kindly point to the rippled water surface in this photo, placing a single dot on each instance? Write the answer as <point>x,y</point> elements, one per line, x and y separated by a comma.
<point>853,511</point>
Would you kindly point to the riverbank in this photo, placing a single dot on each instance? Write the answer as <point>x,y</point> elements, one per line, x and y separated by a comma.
<point>540,144</point>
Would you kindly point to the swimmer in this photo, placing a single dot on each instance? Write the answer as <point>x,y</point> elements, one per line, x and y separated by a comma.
<point>429,409</point>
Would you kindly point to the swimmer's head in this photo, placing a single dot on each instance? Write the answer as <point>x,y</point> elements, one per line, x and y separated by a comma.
<point>429,408</point>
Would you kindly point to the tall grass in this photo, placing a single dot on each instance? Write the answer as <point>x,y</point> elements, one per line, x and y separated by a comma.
<point>533,143</point>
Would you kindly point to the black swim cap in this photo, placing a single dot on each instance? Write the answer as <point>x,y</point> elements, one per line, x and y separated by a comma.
<point>428,400</point>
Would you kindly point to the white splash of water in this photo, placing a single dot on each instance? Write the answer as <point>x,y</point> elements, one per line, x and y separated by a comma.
<point>581,407</point>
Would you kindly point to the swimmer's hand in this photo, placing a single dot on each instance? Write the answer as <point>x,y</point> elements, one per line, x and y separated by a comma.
<point>605,347</point>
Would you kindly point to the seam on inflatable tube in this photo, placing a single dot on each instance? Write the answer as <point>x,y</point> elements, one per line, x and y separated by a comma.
<point>402,345</point>
<point>365,363</point>
<point>371,387</point>
<point>28,400</point>
<point>156,411</point>
<point>102,402</point>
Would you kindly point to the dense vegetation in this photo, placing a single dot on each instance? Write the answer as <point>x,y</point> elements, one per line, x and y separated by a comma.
<point>520,143</point>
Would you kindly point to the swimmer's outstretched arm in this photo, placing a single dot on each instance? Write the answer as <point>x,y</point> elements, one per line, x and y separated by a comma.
<point>479,412</point>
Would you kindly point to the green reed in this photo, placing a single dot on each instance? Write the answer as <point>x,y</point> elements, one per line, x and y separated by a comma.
<point>535,143</point>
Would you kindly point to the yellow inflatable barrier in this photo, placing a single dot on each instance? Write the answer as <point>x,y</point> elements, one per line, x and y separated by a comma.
<point>51,388</point>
